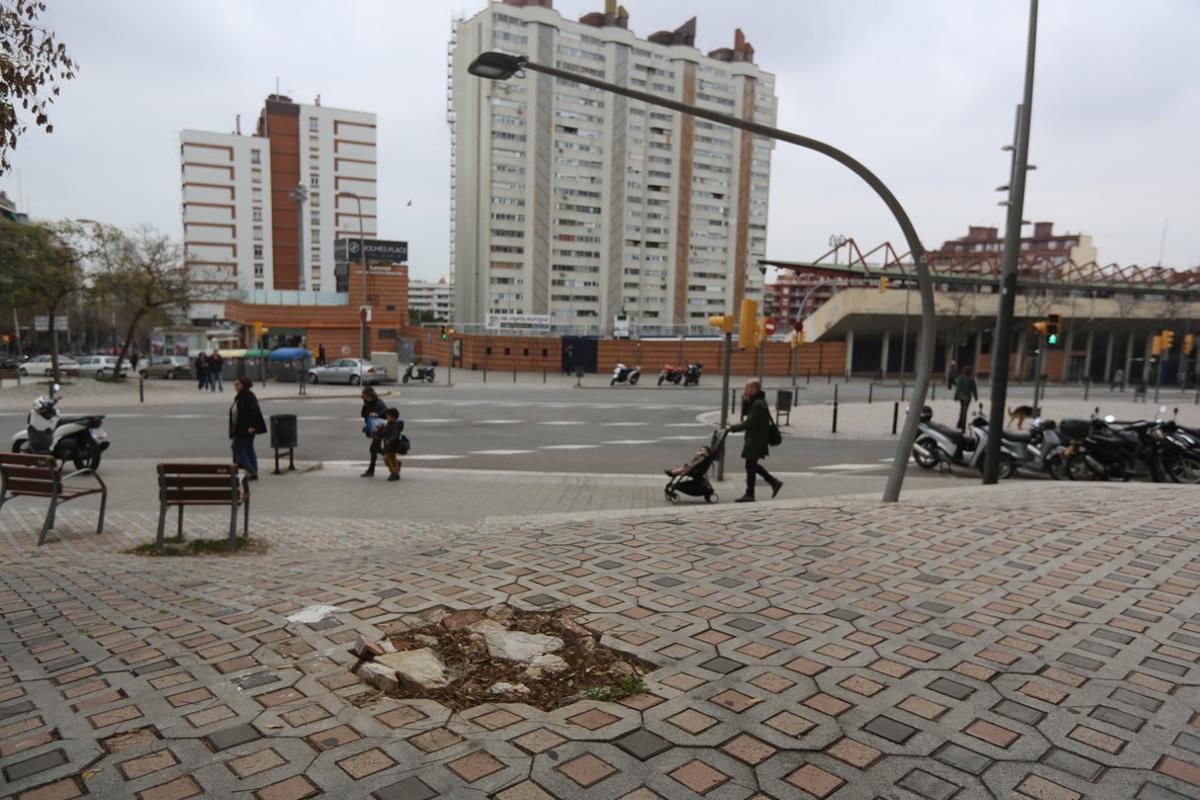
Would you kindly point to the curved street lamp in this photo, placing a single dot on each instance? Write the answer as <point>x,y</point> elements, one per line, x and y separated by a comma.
<point>502,66</point>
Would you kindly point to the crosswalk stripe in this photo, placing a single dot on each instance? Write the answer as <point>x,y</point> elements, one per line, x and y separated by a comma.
<point>848,467</point>
<point>631,441</point>
<point>500,452</point>
<point>568,447</point>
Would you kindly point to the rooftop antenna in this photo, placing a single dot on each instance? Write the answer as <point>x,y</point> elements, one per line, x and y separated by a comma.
<point>317,101</point>
<point>238,125</point>
<point>276,84</point>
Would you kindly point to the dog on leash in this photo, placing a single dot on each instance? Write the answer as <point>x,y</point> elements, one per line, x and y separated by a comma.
<point>1022,413</point>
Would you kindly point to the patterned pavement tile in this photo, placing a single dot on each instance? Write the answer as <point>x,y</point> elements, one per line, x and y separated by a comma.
<point>1041,642</point>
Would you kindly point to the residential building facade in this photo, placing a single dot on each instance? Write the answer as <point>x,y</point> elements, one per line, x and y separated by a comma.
<point>435,298</point>
<point>261,212</point>
<point>578,205</point>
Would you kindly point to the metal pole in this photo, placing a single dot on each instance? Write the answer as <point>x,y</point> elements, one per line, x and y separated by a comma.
<point>728,362</point>
<point>904,335</point>
<point>762,359</point>
<point>895,416</point>
<point>835,409</point>
<point>1002,344</point>
<point>924,359</point>
<point>17,328</point>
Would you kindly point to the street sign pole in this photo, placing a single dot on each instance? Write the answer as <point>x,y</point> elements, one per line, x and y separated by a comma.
<point>725,402</point>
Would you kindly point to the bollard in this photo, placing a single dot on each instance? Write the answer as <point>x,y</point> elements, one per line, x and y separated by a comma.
<point>543,376</point>
<point>870,392</point>
<point>903,389</point>
<point>933,390</point>
<point>514,374</point>
<point>895,416</point>
<point>142,389</point>
<point>1087,385</point>
<point>807,376</point>
<point>828,377</point>
<point>835,409</point>
<point>1156,394</point>
<point>485,373</point>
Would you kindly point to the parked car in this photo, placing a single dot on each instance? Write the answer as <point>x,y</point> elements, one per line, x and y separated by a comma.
<point>169,367</point>
<point>349,370</point>
<point>101,366</point>
<point>44,366</point>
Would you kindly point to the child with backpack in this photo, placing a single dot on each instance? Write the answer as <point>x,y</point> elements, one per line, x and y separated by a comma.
<point>392,442</point>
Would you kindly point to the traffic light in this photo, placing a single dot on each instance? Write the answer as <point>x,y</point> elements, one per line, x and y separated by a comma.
<point>748,325</point>
<point>1156,345</point>
<point>883,284</point>
<point>724,323</point>
<point>1168,340</point>
<point>1042,327</point>
<point>1189,344</point>
<point>443,329</point>
<point>1052,330</point>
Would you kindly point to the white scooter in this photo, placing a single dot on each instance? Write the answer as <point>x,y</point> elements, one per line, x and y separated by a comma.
<point>80,440</point>
<point>623,374</point>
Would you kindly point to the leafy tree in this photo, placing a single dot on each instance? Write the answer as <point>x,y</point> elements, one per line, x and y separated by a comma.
<point>41,268</point>
<point>144,274</point>
<point>32,63</point>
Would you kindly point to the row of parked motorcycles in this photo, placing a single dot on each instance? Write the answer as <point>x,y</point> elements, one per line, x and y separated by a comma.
<point>1075,449</point>
<point>686,375</point>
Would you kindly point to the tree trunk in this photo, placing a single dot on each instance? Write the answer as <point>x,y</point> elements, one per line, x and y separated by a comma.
<point>54,348</point>
<point>125,345</point>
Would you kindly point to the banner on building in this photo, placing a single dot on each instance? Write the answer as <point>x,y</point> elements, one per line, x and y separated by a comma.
<point>518,322</point>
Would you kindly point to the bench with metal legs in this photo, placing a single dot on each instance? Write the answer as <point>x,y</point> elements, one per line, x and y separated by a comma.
<point>39,475</point>
<point>181,484</point>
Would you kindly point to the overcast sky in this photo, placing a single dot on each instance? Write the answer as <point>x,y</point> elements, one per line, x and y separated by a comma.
<point>921,91</point>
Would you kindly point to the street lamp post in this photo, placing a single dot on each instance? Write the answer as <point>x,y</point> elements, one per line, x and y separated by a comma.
<point>362,255</point>
<point>502,66</point>
<point>1002,341</point>
<point>299,196</point>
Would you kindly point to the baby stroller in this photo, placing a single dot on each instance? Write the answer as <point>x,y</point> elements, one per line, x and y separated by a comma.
<point>692,478</point>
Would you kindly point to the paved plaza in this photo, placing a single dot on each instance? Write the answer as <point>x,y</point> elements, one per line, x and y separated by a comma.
<point>1035,640</point>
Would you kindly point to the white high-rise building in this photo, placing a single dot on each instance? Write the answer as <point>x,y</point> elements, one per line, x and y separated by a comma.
<point>433,297</point>
<point>241,220</point>
<point>580,204</point>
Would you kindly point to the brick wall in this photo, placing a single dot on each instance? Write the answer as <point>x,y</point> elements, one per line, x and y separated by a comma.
<point>817,358</point>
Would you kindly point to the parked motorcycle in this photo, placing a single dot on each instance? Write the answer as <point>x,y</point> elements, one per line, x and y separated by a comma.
<point>80,440</point>
<point>688,376</point>
<point>1110,453</point>
<point>624,374</point>
<point>419,371</point>
<point>1179,451</point>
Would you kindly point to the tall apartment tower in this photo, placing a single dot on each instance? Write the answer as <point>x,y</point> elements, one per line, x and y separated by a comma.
<point>580,204</point>
<point>241,218</point>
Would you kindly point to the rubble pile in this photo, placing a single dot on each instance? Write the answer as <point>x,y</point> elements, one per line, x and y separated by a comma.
<point>464,658</point>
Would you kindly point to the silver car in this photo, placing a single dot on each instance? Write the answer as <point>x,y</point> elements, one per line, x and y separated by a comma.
<point>169,367</point>
<point>353,371</point>
<point>101,366</point>
<point>42,365</point>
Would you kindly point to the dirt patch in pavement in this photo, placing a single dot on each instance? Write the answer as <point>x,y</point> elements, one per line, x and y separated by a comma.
<point>592,670</point>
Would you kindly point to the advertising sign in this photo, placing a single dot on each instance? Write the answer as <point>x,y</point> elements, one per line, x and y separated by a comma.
<point>378,250</point>
<point>518,322</point>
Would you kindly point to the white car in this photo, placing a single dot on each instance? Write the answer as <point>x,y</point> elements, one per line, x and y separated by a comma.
<point>101,366</point>
<point>353,371</point>
<point>44,366</point>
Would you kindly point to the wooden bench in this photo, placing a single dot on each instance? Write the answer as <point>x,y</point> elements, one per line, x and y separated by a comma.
<point>202,485</point>
<point>39,475</point>
<point>10,375</point>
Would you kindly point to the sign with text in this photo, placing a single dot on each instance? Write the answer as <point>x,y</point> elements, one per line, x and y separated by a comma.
<point>518,322</point>
<point>386,251</point>
<point>42,323</point>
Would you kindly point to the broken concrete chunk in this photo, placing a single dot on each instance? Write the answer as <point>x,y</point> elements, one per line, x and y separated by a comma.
<point>509,688</point>
<point>379,676</point>
<point>421,669</point>
<point>366,648</point>
<point>541,666</point>
<point>502,614</point>
<point>484,625</point>
<point>520,646</point>
<point>425,639</point>
<point>573,628</point>
<point>462,619</point>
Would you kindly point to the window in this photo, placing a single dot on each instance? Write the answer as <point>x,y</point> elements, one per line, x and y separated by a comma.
<point>387,333</point>
<point>316,235</point>
<point>258,251</point>
<point>316,287</point>
<point>255,156</point>
<point>258,215</point>
<point>258,232</point>
<point>314,181</point>
<point>258,270</point>
<point>316,218</point>
<point>314,124</point>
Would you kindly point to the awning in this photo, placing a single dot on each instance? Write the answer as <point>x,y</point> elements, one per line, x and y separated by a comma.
<point>290,354</point>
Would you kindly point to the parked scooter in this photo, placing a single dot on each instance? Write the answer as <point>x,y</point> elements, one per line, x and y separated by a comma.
<point>1110,453</point>
<point>80,440</point>
<point>1040,449</point>
<point>624,374</point>
<point>688,376</point>
<point>419,371</point>
<point>939,444</point>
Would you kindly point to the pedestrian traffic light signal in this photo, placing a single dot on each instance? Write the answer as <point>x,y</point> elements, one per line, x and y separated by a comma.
<point>1051,339</point>
<point>1189,344</point>
<point>722,322</point>
<point>748,325</point>
<point>1168,340</point>
<point>1156,345</point>
<point>883,285</point>
<point>444,334</point>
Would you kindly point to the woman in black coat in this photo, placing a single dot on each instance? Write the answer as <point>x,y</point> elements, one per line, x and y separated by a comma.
<point>757,427</point>
<point>373,410</point>
<point>245,422</point>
